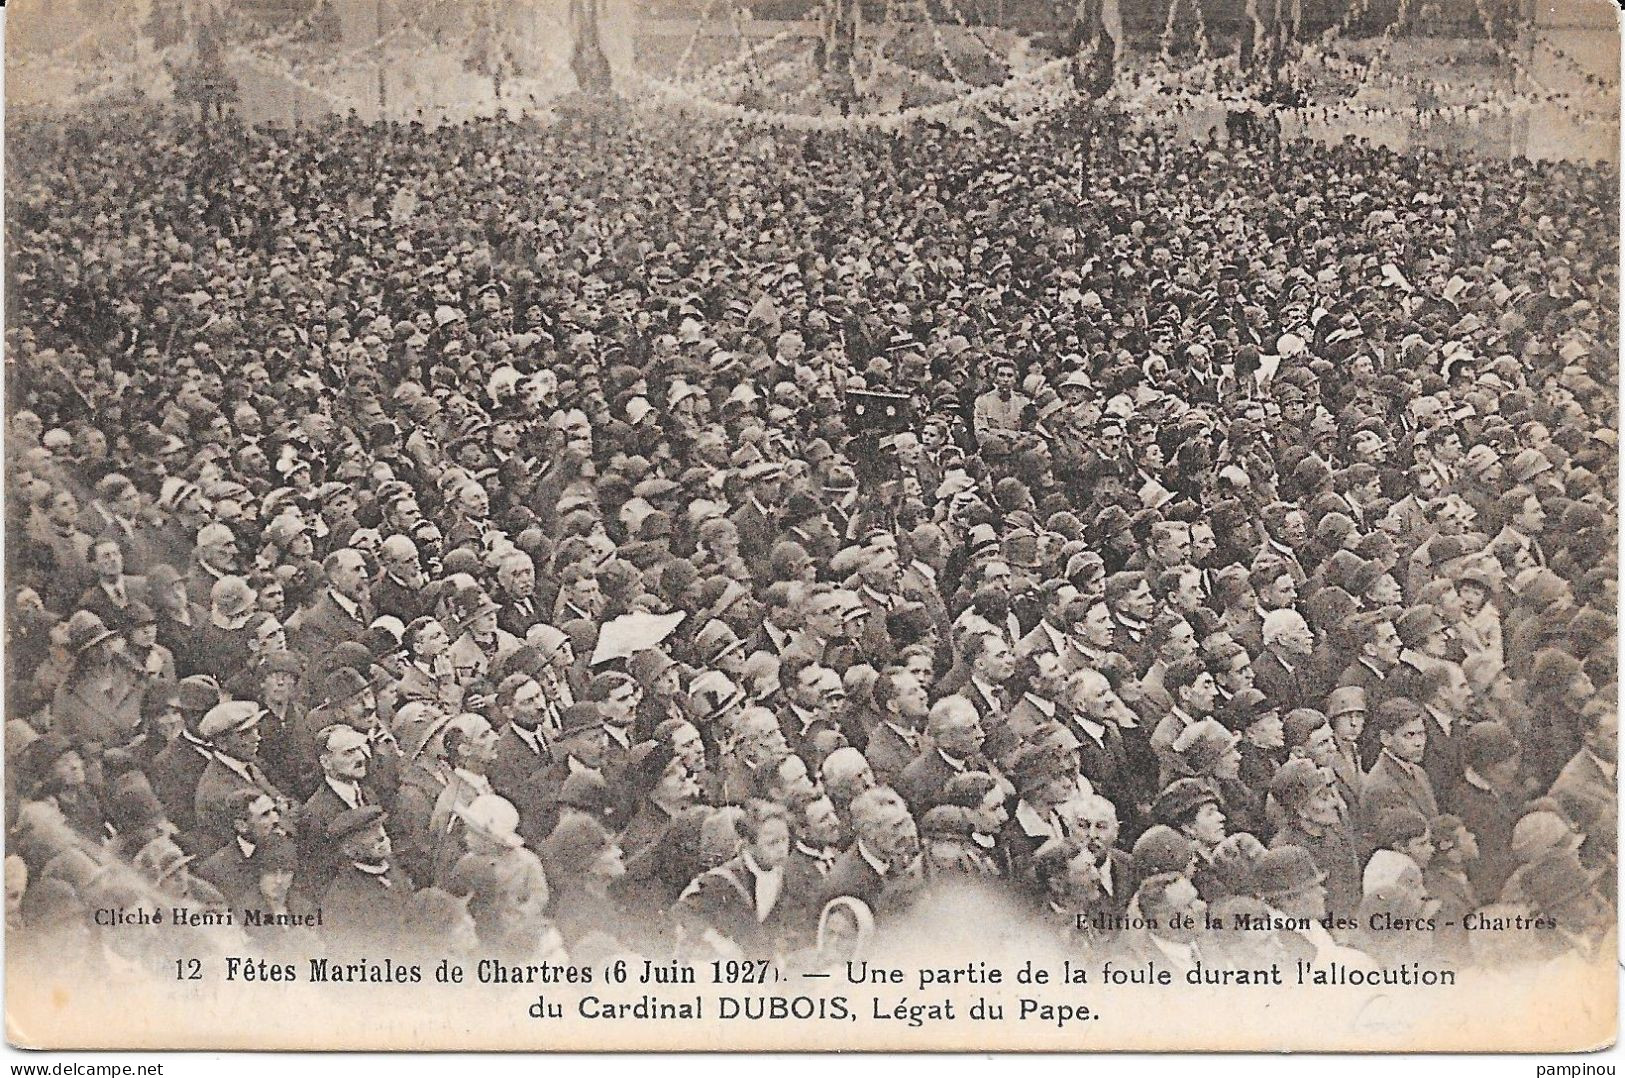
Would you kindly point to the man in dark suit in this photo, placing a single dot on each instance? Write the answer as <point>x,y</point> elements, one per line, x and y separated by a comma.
<point>176,769</point>
<point>231,868</point>
<point>342,752</point>
<point>398,591</point>
<point>881,867</point>
<point>1376,668</point>
<point>1096,826</point>
<point>780,600</point>
<point>1036,687</point>
<point>755,518</point>
<point>1398,777</point>
<point>1280,671</point>
<point>1132,604</point>
<point>815,832</point>
<point>232,730</point>
<point>895,740</point>
<point>346,698</point>
<point>362,907</point>
<point>1049,636</point>
<point>1094,714</point>
<point>1586,787</point>
<point>340,613</point>
<point>110,596</point>
<point>991,663</point>
<point>738,906</point>
<point>953,745</point>
<point>1446,698</point>
<point>804,712</point>
<point>516,592</point>
<point>525,745</point>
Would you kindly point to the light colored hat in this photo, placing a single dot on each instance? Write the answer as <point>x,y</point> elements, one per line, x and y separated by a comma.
<point>231,595</point>
<point>1344,700</point>
<point>492,817</point>
<point>546,639</point>
<point>229,717</point>
<point>1541,831</point>
<point>214,535</point>
<point>1390,868</point>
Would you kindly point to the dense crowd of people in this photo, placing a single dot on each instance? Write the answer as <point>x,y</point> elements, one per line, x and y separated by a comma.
<point>639,535</point>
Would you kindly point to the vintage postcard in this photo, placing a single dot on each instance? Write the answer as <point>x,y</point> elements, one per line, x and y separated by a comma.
<point>811,525</point>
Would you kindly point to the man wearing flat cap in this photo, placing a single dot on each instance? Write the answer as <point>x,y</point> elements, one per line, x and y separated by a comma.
<point>231,729</point>
<point>1193,808</point>
<point>482,642</point>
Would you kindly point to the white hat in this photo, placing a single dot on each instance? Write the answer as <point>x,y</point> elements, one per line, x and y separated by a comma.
<point>679,391</point>
<point>1388,868</point>
<point>492,817</point>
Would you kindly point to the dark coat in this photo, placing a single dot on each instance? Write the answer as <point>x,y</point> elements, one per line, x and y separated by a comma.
<point>214,787</point>
<point>362,912</point>
<point>1106,764</point>
<point>724,900</point>
<point>1286,689</point>
<point>221,652</point>
<point>853,875</point>
<point>1389,783</point>
<point>391,596</point>
<point>514,768</point>
<point>1490,815</point>
<point>97,601</point>
<point>1336,854</point>
<point>322,627</point>
<point>517,615</point>
<point>888,753</point>
<point>174,774</point>
<point>921,782</point>
<point>1441,759</point>
<point>234,875</point>
<point>84,713</point>
<point>318,857</point>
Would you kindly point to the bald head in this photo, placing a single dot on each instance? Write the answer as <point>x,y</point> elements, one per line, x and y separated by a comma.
<point>846,774</point>
<point>1286,630</point>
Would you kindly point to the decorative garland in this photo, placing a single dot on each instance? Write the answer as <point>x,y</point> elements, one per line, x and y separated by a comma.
<point>694,37</point>
<point>742,60</point>
<point>964,24</point>
<point>1203,46</point>
<point>282,70</point>
<point>1030,89</point>
<point>299,26</point>
<point>1166,53</point>
<point>941,46</point>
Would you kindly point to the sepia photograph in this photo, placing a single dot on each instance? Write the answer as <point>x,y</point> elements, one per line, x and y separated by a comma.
<point>811,525</point>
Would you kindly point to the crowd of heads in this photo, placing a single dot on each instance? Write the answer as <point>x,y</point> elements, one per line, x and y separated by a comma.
<point>639,535</point>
